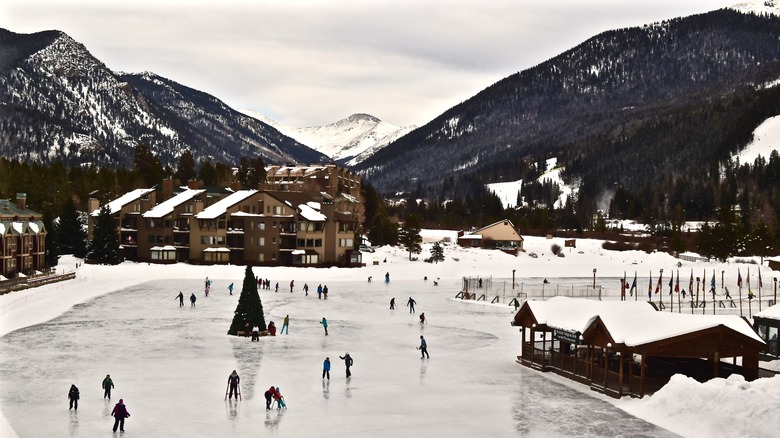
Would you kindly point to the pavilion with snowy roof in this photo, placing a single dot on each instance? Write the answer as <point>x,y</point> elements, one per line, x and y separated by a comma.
<point>629,348</point>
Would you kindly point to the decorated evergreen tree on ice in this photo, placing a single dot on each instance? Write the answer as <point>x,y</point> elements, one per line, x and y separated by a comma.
<point>249,308</point>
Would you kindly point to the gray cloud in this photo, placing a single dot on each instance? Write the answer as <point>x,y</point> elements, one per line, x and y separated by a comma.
<point>306,62</point>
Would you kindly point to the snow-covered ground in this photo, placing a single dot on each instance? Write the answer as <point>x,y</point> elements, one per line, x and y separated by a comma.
<point>170,365</point>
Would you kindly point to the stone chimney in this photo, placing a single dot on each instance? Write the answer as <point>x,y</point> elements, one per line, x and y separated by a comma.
<point>21,201</point>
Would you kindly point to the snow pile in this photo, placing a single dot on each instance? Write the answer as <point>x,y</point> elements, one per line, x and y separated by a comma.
<point>720,407</point>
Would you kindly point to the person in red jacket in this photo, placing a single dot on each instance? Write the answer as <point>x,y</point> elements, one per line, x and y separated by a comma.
<point>269,398</point>
<point>120,413</point>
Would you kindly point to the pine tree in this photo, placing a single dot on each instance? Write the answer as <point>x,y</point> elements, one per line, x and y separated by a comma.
<point>71,236</point>
<point>409,235</point>
<point>437,253</point>
<point>249,309</point>
<point>104,246</point>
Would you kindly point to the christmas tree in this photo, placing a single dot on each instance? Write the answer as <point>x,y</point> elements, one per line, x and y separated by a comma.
<point>249,309</point>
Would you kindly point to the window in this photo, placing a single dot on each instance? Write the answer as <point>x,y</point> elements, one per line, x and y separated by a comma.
<point>346,243</point>
<point>274,224</point>
<point>261,257</point>
<point>273,241</point>
<point>261,226</point>
<point>221,224</point>
<point>278,209</point>
<point>261,241</point>
<point>212,240</point>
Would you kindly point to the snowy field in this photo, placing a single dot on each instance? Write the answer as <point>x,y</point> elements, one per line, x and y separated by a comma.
<point>170,364</point>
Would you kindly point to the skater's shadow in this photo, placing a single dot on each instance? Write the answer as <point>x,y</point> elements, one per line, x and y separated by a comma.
<point>273,417</point>
<point>231,407</point>
<point>326,389</point>
<point>423,367</point>
<point>73,426</point>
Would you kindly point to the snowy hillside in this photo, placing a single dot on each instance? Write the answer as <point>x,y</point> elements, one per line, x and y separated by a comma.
<point>766,138</point>
<point>758,7</point>
<point>348,139</point>
<point>508,192</point>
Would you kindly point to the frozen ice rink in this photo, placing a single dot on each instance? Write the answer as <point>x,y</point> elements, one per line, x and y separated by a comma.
<point>170,365</point>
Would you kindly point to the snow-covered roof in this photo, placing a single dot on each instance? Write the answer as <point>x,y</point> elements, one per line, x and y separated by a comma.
<point>216,250</point>
<point>632,323</point>
<point>165,208</point>
<point>117,204</point>
<point>298,252</point>
<point>576,314</point>
<point>470,237</point>
<point>18,227</point>
<point>644,328</point>
<point>245,214</point>
<point>163,248</point>
<point>220,207</point>
<point>311,214</point>
<point>772,312</point>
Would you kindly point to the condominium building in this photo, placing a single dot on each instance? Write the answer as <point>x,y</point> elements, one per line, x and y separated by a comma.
<point>22,238</point>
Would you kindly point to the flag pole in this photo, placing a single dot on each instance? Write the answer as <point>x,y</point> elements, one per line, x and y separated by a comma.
<point>759,289</point>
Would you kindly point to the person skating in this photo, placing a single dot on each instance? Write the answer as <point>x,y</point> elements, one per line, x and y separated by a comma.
<point>73,397</point>
<point>279,399</point>
<point>423,348</point>
<point>233,381</point>
<point>277,287</point>
<point>269,394</point>
<point>107,385</point>
<point>347,362</point>
<point>325,292</point>
<point>230,288</point>
<point>180,297</point>
<point>411,304</point>
<point>324,323</point>
<point>292,285</point>
<point>285,325</point>
<point>255,333</point>
<point>193,298</point>
<point>272,328</point>
<point>306,289</point>
<point>319,292</point>
<point>387,276</point>
<point>120,413</point>
<point>392,303</point>
<point>422,318</point>
<point>326,368</point>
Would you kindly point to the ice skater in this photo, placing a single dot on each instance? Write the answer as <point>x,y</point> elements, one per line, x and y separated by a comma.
<point>319,292</point>
<point>326,368</point>
<point>324,323</point>
<point>269,398</point>
<point>422,318</point>
<point>272,328</point>
<point>387,276</point>
<point>306,289</point>
<point>423,348</point>
<point>285,325</point>
<point>193,298</point>
<point>347,362</point>
<point>255,333</point>
<point>292,285</point>
<point>392,303</point>
<point>73,397</point>
<point>180,297</point>
<point>120,413</point>
<point>325,292</point>
<point>230,288</point>
<point>411,304</point>
<point>279,398</point>
<point>233,381</point>
<point>277,287</point>
<point>369,279</point>
<point>107,385</point>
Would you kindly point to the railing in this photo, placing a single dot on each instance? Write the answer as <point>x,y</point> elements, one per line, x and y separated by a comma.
<point>28,282</point>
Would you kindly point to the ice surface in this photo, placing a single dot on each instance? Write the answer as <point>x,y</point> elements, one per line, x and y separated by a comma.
<point>170,365</point>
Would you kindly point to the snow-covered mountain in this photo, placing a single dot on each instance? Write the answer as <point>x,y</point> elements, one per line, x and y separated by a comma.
<point>758,7</point>
<point>349,141</point>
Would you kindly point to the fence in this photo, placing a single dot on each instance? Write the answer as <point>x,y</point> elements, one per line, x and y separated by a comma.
<point>28,282</point>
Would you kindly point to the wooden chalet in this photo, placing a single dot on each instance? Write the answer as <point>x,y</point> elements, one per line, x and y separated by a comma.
<point>629,348</point>
<point>767,324</point>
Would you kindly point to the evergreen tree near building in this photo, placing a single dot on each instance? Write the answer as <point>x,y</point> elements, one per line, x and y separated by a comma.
<point>71,235</point>
<point>104,246</point>
<point>249,309</point>
<point>437,253</point>
<point>52,251</point>
<point>409,235</point>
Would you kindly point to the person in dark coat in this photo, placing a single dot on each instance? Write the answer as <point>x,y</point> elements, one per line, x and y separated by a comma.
<point>269,398</point>
<point>423,348</point>
<point>325,292</point>
<point>392,303</point>
<point>120,413</point>
<point>347,362</point>
<point>233,381</point>
<point>73,396</point>
<point>411,304</point>
<point>326,368</point>
<point>180,297</point>
<point>193,298</point>
<point>107,385</point>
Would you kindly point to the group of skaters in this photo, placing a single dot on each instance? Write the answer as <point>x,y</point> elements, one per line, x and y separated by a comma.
<point>411,303</point>
<point>119,412</point>
<point>273,394</point>
<point>348,361</point>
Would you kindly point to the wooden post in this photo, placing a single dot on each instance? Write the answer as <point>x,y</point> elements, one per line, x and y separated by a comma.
<point>630,371</point>
<point>606,368</point>
<point>642,377</point>
<point>740,300</point>
<point>620,380</point>
<point>715,364</point>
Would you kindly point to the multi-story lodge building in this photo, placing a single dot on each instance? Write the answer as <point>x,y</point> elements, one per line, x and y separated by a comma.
<point>22,238</point>
<point>300,216</point>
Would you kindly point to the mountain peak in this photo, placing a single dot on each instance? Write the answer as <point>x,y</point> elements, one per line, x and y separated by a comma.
<point>361,117</point>
<point>758,7</point>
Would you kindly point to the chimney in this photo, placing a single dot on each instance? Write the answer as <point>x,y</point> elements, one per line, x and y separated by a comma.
<point>21,201</point>
<point>167,189</point>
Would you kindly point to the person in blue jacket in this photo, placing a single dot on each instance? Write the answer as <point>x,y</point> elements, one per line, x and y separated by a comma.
<point>423,348</point>
<point>326,368</point>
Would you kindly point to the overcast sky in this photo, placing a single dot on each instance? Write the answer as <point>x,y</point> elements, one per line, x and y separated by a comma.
<point>307,62</point>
